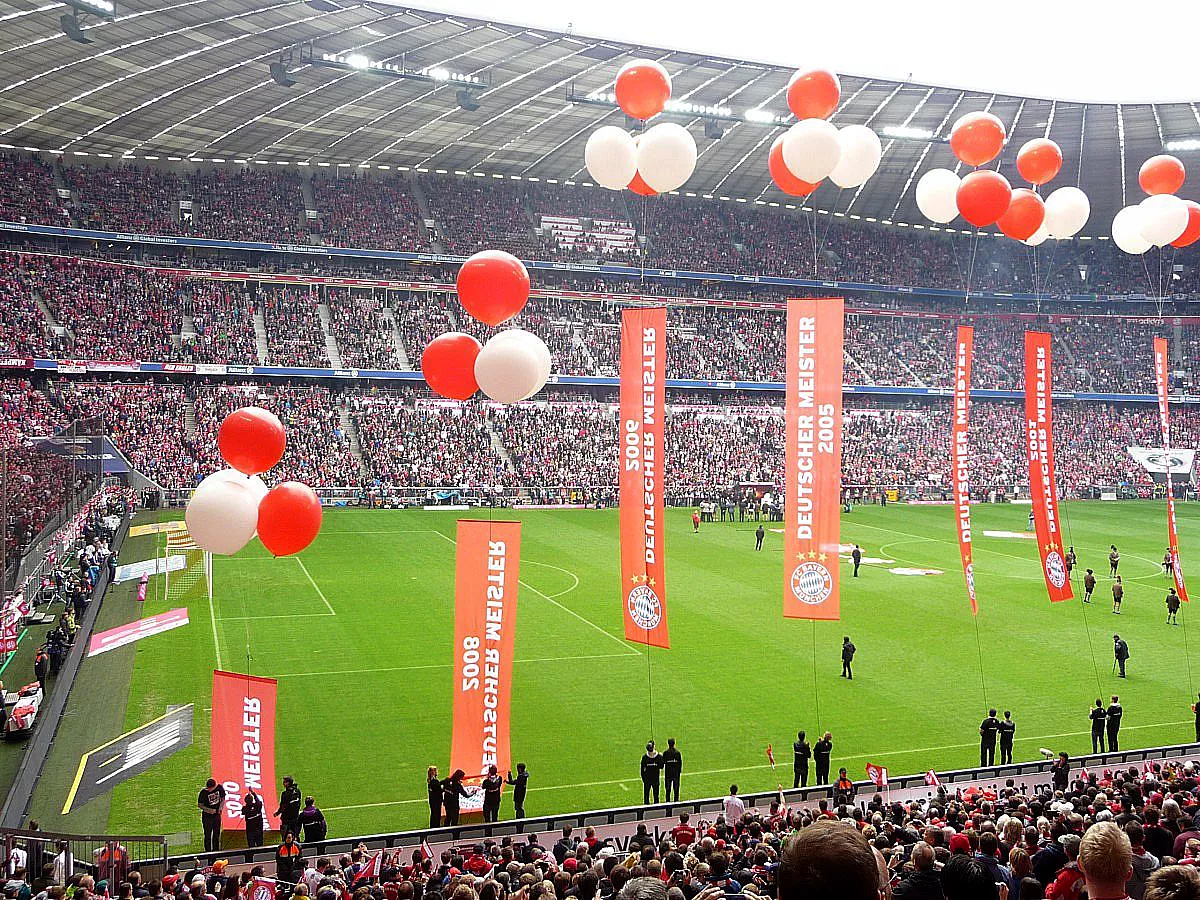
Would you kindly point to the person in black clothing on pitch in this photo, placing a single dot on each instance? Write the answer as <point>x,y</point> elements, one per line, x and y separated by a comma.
<point>848,650</point>
<point>672,768</point>
<point>822,750</point>
<point>988,729</point>
<point>210,801</point>
<point>801,754</point>
<point>493,786</point>
<point>452,790</point>
<point>758,536</point>
<point>1120,653</point>
<point>252,811</point>
<point>1196,710</point>
<point>856,557</point>
<point>434,786</point>
<point>652,766</point>
<point>290,803</point>
<point>1172,607</point>
<point>1007,729</point>
<point>1097,715</point>
<point>520,785</point>
<point>1113,722</point>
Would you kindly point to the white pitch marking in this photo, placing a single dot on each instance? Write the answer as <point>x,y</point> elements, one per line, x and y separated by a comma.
<point>320,593</point>
<point>446,665</point>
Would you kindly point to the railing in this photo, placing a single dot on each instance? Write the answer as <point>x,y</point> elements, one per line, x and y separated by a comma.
<point>1033,773</point>
<point>109,857</point>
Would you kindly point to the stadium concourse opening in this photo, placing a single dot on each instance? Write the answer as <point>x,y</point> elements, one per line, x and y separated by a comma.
<point>451,459</point>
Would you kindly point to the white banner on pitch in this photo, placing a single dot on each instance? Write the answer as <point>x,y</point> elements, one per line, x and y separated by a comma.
<point>134,571</point>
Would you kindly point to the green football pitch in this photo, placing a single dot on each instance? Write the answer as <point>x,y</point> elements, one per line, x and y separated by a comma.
<point>358,631</point>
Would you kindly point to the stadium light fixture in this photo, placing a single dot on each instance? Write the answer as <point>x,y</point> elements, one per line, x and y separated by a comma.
<point>683,109</point>
<point>466,100</point>
<point>908,133</point>
<point>291,58</point>
<point>1188,144</point>
<point>71,24</point>
<point>280,74</point>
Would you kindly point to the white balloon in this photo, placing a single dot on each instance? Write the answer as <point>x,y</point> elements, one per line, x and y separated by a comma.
<point>811,149</point>
<point>535,344</point>
<point>1127,230</point>
<point>860,155</point>
<point>666,157</point>
<point>222,515</point>
<point>256,485</point>
<point>611,157</point>
<point>1038,237</point>
<point>508,370</point>
<point>937,195</point>
<point>1067,211</point>
<point>1164,218</point>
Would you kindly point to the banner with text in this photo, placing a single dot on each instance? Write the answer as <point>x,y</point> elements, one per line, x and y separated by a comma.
<point>243,744</point>
<point>1039,446</point>
<point>961,451</point>
<point>642,470</point>
<point>813,455</point>
<point>485,621</point>
<point>1164,424</point>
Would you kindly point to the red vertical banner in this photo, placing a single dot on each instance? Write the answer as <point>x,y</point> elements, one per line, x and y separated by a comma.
<point>243,744</point>
<point>961,453</point>
<point>642,469</point>
<point>487,569</point>
<point>813,450</point>
<point>1164,423</point>
<point>1039,445</point>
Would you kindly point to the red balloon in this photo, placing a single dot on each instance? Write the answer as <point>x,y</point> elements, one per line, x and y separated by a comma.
<point>1161,174</point>
<point>493,286</point>
<point>289,518</point>
<point>814,94</point>
<point>638,186</point>
<point>251,440</point>
<point>977,138</point>
<point>983,197</point>
<point>1191,233</point>
<point>448,365</point>
<point>1024,215</point>
<point>782,175</point>
<point>643,88</point>
<point>1039,160</point>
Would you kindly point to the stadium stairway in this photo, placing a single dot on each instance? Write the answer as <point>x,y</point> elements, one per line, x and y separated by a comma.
<point>260,337</point>
<point>331,346</point>
<point>351,431</point>
<point>427,220</point>
<point>498,446</point>
<point>866,378</point>
<point>397,342</point>
<point>189,417</point>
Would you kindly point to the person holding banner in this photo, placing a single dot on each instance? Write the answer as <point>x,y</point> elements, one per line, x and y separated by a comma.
<point>252,812</point>
<point>212,797</point>
<point>493,787</point>
<point>452,789</point>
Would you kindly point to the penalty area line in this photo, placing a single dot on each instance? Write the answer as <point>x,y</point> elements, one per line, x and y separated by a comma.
<point>734,769</point>
<point>320,593</point>
<point>448,665</point>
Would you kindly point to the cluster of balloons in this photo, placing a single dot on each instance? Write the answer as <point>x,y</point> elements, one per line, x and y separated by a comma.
<point>984,197</point>
<point>493,286</point>
<point>660,159</point>
<point>1162,218</point>
<point>815,149</point>
<point>231,506</point>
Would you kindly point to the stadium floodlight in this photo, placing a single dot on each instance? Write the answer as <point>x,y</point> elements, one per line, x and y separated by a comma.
<point>760,116</point>
<point>360,62</point>
<point>713,131</point>
<point>1188,144</point>
<point>104,8</point>
<point>906,132</point>
<point>466,100</point>
<point>683,109</point>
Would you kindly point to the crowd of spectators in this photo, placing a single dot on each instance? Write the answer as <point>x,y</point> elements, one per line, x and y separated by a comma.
<point>27,192</point>
<point>361,211</point>
<point>124,198</point>
<point>476,216</point>
<point>222,322</point>
<point>246,205</point>
<point>362,329</point>
<point>294,333</point>
<point>23,328</point>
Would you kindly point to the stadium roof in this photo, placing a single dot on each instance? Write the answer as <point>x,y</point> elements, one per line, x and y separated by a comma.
<point>189,79</point>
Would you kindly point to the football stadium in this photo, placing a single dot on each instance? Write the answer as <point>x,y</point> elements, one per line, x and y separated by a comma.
<point>483,454</point>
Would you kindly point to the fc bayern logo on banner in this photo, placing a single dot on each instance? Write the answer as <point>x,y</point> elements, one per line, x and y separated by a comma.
<point>645,608</point>
<point>1056,569</point>
<point>811,583</point>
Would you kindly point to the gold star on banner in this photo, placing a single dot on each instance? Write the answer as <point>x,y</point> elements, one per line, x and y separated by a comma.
<point>652,582</point>
<point>799,557</point>
<point>812,554</point>
<point>642,579</point>
<point>821,557</point>
<point>967,559</point>
<point>633,578</point>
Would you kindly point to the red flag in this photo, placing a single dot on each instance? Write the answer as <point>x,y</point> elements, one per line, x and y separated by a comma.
<point>961,452</point>
<point>641,474</point>
<point>771,755</point>
<point>813,451</point>
<point>1039,445</point>
<point>371,868</point>
<point>932,780</point>
<point>1160,378</point>
<point>877,774</point>
<point>426,850</point>
<point>262,889</point>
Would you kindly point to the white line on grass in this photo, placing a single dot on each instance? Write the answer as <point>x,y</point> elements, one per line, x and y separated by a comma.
<point>320,593</point>
<point>323,615</point>
<point>212,618</point>
<point>566,572</point>
<point>622,782</point>
<point>447,665</point>
<point>630,651</point>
